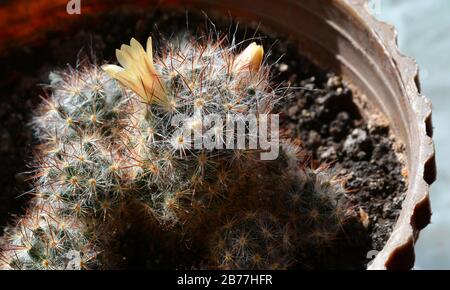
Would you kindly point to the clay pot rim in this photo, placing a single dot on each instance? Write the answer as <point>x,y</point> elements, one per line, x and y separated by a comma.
<point>398,252</point>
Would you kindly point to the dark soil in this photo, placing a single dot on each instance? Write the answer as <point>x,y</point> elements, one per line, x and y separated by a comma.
<point>322,114</point>
<point>334,133</point>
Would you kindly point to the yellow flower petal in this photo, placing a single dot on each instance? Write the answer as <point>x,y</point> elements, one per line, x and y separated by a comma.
<point>127,49</point>
<point>150,49</point>
<point>250,59</point>
<point>124,59</point>
<point>138,72</point>
<point>137,46</point>
<point>112,69</point>
<point>131,81</point>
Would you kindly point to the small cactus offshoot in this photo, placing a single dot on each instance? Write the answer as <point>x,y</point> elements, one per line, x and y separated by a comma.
<point>112,136</point>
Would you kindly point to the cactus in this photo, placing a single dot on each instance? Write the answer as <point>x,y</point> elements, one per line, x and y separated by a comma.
<point>192,80</point>
<point>317,208</point>
<point>80,163</point>
<point>83,100</point>
<point>46,240</point>
<point>79,172</point>
<point>113,143</point>
<point>251,240</point>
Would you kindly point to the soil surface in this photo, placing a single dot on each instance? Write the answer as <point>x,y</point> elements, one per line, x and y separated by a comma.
<point>320,110</point>
<point>327,121</point>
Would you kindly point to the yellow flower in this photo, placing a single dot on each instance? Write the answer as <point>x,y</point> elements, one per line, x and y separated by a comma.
<point>250,59</point>
<point>138,73</point>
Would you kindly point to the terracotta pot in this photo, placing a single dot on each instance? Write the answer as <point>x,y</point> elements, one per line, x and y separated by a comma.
<point>337,34</point>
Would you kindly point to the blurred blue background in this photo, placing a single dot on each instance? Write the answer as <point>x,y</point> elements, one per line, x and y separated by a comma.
<point>424,33</point>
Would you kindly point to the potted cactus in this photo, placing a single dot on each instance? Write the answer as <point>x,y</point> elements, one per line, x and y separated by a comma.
<point>175,157</point>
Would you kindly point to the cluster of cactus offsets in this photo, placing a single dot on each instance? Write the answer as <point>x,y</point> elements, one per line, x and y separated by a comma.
<point>111,139</point>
